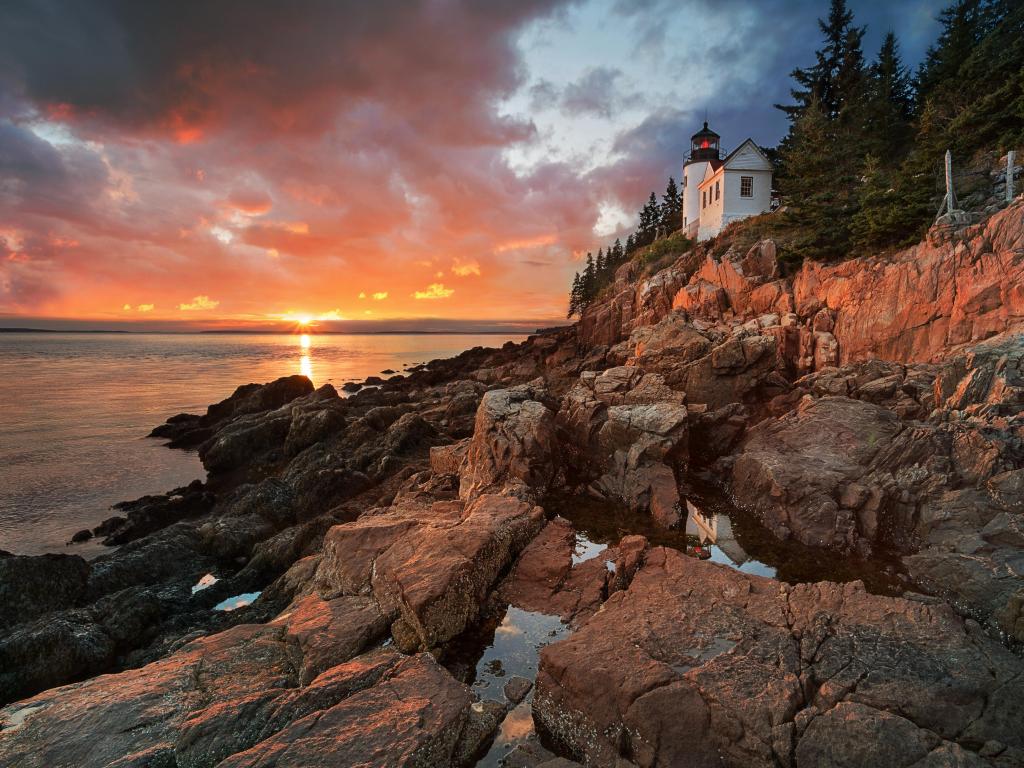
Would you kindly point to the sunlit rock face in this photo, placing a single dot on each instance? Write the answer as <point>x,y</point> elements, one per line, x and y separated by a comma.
<point>698,664</point>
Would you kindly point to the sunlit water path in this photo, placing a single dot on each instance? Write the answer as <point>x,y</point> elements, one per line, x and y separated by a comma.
<point>75,409</point>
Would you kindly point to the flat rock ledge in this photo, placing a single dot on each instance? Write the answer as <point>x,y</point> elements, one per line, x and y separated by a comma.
<point>697,664</point>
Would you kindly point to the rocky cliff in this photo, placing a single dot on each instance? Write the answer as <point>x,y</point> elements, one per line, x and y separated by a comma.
<point>399,555</point>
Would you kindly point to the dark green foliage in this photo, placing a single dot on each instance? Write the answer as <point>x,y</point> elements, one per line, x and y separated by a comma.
<point>835,80</point>
<point>822,185</point>
<point>671,208</point>
<point>861,167</point>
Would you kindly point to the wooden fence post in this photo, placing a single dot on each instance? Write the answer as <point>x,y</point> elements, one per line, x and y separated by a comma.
<point>950,194</point>
<point>949,201</point>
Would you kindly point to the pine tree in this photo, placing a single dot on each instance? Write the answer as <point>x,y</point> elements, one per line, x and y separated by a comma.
<point>575,296</point>
<point>647,225</point>
<point>671,207</point>
<point>963,26</point>
<point>630,244</point>
<point>589,280</point>
<point>833,81</point>
<point>618,252</point>
<point>821,194</point>
<point>888,106</point>
<point>600,267</point>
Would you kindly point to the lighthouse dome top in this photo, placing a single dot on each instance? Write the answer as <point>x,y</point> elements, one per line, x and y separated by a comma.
<point>705,133</point>
<point>704,146</point>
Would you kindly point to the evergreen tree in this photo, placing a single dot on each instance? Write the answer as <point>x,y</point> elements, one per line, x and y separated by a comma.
<point>835,78</point>
<point>881,217</point>
<point>887,108</point>
<point>671,207</point>
<point>963,26</point>
<point>630,244</point>
<point>600,266</point>
<point>821,195</point>
<point>589,280</point>
<point>647,226</point>
<point>618,252</point>
<point>575,296</point>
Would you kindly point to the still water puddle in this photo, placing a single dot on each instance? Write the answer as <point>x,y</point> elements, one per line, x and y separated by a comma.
<point>204,583</point>
<point>506,649</point>
<point>584,549</point>
<point>718,531</point>
<point>236,602</point>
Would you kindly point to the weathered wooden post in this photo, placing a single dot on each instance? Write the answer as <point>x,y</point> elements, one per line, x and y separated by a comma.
<point>950,194</point>
<point>1009,176</point>
<point>949,201</point>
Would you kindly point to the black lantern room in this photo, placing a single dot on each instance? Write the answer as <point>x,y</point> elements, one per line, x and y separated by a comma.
<point>703,145</point>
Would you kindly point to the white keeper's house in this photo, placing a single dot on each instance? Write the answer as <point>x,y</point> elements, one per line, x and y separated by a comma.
<point>717,190</point>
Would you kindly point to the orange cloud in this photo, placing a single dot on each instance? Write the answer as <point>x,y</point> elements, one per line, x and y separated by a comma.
<point>380,295</point>
<point>434,291</point>
<point>466,268</point>
<point>520,245</point>
<point>250,202</point>
<point>199,303</point>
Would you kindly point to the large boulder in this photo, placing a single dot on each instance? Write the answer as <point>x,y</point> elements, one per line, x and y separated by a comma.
<point>33,586</point>
<point>628,433</point>
<point>429,567</point>
<point>835,472</point>
<point>698,664</point>
<point>712,367</point>
<point>513,448</point>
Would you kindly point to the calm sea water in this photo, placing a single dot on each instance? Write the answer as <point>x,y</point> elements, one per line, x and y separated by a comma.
<point>75,410</point>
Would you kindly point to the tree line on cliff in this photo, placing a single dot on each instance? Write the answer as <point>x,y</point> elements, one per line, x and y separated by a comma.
<point>860,169</point>
<point>655,218</point>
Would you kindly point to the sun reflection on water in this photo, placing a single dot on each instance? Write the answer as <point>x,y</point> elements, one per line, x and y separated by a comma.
<point>305,361</point>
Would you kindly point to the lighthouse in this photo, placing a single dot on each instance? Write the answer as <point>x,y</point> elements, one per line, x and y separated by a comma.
<point>704,151</point>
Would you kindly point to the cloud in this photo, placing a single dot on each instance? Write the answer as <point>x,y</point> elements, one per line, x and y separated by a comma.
<point>597,93</point>
<point>362,295</point>
<point>272,158</point>
<point>127,307</point>
<point>543,95</point>
<point>434,291</point>
<point>150,307</point>
<point>380,295</point>
<point>199,303</point>
<point>251,202</point>
<point>466,268</point>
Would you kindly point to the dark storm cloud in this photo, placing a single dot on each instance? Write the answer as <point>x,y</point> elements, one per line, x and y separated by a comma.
<point>192,67</point>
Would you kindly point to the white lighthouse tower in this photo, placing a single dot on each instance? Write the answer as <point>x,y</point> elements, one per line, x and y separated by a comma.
<point>704,151</point>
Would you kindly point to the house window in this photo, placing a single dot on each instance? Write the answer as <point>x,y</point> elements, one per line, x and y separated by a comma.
<point>684,181</point>
<point>746,186</point>
<point>717,192</point>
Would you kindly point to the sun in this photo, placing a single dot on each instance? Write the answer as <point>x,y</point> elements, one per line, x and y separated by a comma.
<point>304,320</point>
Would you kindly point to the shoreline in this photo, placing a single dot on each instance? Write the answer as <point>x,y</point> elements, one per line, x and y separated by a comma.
<point>381,552</point>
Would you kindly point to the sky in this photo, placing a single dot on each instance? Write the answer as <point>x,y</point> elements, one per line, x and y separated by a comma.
<point>397,164</point>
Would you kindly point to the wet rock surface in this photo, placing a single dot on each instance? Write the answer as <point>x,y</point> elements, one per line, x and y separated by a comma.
<point>499,559</point>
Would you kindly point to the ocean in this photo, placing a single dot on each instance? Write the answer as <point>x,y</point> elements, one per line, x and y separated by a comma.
<point>75,409</point>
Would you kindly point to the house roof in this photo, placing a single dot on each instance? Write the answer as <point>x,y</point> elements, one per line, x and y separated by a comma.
<point>742,145</point>
<point>717,166</point>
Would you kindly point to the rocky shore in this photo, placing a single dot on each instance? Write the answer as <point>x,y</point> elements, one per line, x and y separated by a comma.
<point>385,578</point>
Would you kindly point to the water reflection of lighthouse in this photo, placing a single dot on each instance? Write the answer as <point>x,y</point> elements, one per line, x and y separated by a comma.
<point>713,529</point>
